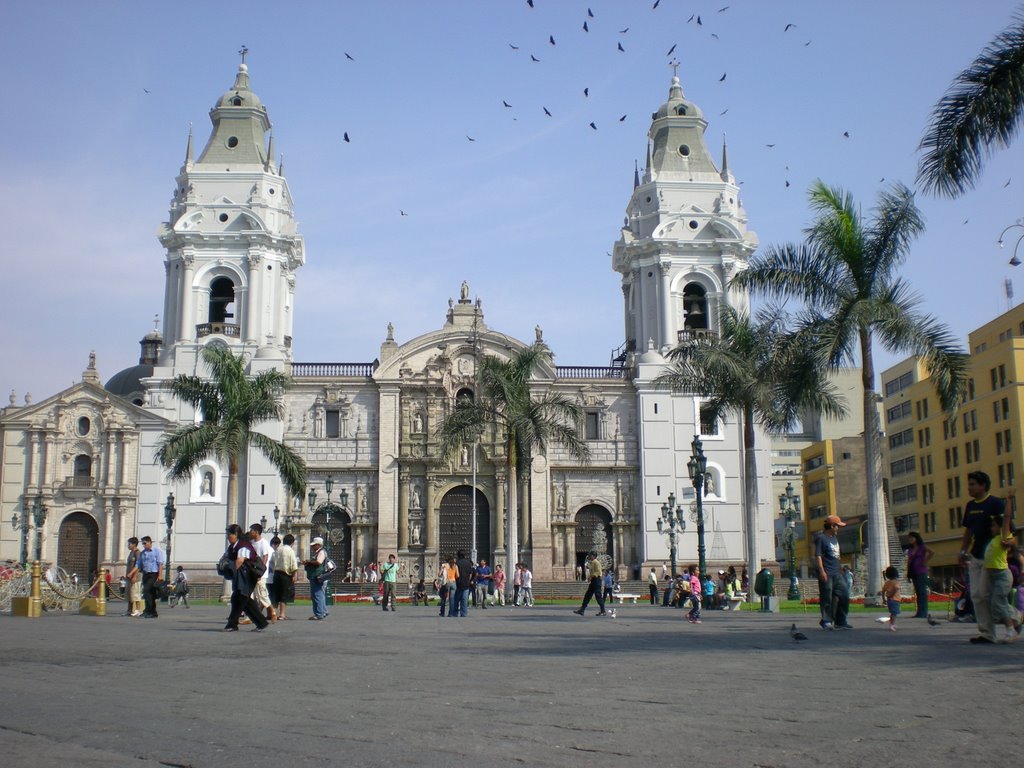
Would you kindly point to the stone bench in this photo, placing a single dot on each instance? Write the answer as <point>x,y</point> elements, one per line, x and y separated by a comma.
<point>623,596</point>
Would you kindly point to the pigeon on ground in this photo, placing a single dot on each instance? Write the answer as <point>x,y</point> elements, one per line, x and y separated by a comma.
<point>932,622</point>
<point>797,636</point>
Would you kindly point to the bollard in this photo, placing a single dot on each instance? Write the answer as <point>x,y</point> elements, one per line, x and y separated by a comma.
<point>35,600</point>
<point>101,594</point>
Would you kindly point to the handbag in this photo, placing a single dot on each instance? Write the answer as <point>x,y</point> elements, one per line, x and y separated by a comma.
<point>224,566</point>
<point>257,566</point>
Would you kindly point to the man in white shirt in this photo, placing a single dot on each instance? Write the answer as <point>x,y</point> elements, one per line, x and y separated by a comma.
<point>260,594</point>
<point>526,590</point>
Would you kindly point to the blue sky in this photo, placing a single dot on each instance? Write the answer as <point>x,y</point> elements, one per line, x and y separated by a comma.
<point>527,212</point>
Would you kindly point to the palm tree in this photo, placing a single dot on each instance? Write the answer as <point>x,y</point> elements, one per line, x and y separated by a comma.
<point>982,109</point>
<point>762,372</point>
<point>846,273</point>
<point>232,405</point>
<point>524,423</point>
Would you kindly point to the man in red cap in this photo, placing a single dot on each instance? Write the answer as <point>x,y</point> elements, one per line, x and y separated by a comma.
<point>832,590</point>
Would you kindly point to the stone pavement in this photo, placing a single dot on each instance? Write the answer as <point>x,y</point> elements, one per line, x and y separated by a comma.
<point>536,687</point>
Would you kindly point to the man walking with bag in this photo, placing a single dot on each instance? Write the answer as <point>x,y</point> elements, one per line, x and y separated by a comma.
<point>596,587</point>
<point>389,572</point>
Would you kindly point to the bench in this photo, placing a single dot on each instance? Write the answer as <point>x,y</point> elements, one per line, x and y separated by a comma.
<point>622,596</point>
<point>736,601</point>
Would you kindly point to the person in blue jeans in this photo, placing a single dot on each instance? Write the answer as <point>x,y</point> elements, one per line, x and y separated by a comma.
<point>832,590</point>
<point>463,584</point>
<point>315,568</point>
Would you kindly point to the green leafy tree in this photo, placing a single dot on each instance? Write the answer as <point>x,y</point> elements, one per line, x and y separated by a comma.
<point>982,110</point>
<point>762,372</point>
<point>231,405</point>
<point>846,272</point>
<point>524,423</point>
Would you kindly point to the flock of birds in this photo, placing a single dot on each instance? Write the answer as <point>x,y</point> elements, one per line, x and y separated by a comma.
<point>695,19</point>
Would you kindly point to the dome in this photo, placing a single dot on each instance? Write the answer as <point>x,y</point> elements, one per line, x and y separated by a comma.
<point>128,383</point>
<point>240,95</point>
<point>677,105</point>
<point>651,356</point>
<point>267,353</point>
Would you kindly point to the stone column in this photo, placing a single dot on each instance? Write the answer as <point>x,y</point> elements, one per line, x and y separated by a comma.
<point>664,271</point>
<point>403,509</point>
<point>430,538</point>
<point>32,464</point>
<point>499,512</point>
<point>187,324</point>
<point>108,533</point>
<point>49,463</point>
<point>252,308</point>
<point>108,471</point>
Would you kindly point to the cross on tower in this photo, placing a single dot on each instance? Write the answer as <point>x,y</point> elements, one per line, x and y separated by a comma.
<point>242,52</point>
<point>675,67</point>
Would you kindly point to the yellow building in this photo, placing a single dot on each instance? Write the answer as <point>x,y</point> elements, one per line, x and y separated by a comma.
<point>927,455</point>
<point>833,484</point>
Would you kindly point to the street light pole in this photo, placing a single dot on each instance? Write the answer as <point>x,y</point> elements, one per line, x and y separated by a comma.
<point>789,505</point>
<point>169,514</point>
<point>39,518</point>
<point>329,486</point>
<point>672,517</point>
<point>698,467</point>
<point>277,516</point>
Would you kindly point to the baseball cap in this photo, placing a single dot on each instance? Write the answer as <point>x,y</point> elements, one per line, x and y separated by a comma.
<point>834,520</point>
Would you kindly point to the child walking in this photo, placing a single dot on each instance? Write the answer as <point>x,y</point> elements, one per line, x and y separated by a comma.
<point>891,593</point>
<point>1000,578</point>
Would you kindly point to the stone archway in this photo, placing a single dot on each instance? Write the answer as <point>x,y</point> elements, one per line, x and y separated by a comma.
<point>594,532</point>
<point>455,523</point>
<point>78,546</point>
<point>339,548</point>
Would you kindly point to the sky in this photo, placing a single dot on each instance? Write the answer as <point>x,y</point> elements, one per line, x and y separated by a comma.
<point>98,98</point>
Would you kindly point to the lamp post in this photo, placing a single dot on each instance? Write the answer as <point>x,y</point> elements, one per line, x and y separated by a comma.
<point>1014,261</point>
<point>277,517</point>
<point>671,518</point>
<point>789,505</point>
<point>328,486</point>
<point>169,514</point>
<point>263,523</point>
<point>38,519</point>
<point>23,523</point>
<point>698,467</point>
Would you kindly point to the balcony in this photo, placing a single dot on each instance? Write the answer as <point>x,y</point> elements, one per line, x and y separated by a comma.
<point>79,485</point>
<point>331,370</point>
<point>232,330</point>
<point>588,372</point>
<point>691,335</point>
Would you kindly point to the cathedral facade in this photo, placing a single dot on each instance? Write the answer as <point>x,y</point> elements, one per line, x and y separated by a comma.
<point>369,431</point>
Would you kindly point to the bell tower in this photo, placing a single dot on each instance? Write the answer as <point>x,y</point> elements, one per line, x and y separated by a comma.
<point>231,241</point>
<point>685,233</point>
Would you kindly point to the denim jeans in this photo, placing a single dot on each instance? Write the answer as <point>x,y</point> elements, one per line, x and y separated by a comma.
<point>459,605</point>
<point>921,590</point>
<point>835,600</point>
<point>316,591</point>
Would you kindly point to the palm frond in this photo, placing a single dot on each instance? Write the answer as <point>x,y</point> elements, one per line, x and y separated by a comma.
<point>287,462</point>
<point>182,450</point>
<point>896,225</point>
<point>794,271</point>
<point>981,110</point>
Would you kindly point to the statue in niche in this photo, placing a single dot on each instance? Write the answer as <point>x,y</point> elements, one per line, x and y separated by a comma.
<point>415,532</point>
<point>464,292</point>
<point>464,456</point>
<point>415,500</point>
<point>207,487</point>
<point>417,423</point>
<point>362,505</point>
<point>709,484</point>
<point>560,504</point>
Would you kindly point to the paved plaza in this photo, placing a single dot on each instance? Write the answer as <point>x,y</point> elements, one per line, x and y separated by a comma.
<point>537,687</point>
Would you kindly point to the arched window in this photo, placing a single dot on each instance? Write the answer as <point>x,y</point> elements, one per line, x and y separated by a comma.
<point>464,394</point>
<point>222,300</point>
<point>695,305</point>
<point>83,465</point>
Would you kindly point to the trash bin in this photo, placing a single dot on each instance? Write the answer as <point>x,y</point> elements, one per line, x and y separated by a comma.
<point>764,587</point>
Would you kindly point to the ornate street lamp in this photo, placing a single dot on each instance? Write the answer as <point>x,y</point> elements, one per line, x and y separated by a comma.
<point>277,517</point>
<point>789,505</point>
<point>263,523</point>
<point>169,514</point>
<point>672,517</point>
<point>1014,261</point>
<point>329,587</point>
<point>39,518</point>
<point>698,467</point>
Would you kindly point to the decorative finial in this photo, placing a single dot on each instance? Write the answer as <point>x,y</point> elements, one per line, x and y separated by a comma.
<point>13,398</point>
<point>242,52</point>
<point>92,360</point>
<point>156,322</point>
<point>675,67</point>
<point>391,332</point>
